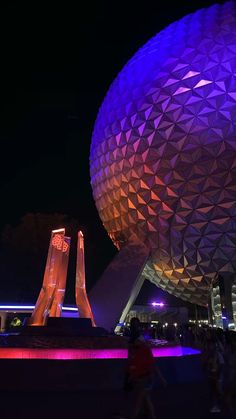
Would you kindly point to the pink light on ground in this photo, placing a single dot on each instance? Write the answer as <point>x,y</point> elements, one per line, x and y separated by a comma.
<point>70,354</point>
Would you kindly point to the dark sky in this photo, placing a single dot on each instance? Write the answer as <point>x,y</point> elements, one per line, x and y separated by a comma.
<point>57,63</point>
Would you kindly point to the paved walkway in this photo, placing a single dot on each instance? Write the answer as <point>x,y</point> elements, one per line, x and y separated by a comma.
<point>185,401</point>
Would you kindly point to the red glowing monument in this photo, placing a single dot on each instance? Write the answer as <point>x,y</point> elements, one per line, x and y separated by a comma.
<point>51,296</point>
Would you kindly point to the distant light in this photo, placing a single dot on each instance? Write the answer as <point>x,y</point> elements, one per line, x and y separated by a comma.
<point>69,308</point>
<point>224,317</point>
<point>155,304</point>
<point>18,307</point>
<point>175,324</point>
<point>121,324</point>
<point>11,307</point>
<point>59,230</point>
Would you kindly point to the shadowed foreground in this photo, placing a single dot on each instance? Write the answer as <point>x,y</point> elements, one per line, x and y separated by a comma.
<point>182,400</point>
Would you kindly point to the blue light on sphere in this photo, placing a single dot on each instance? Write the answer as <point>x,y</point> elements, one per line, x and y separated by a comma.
<point>163,153</point>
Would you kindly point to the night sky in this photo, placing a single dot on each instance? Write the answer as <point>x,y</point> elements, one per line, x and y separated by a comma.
<point>57,63</point>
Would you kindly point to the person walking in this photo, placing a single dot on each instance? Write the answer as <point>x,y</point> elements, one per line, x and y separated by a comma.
<point>230,376</point>
<point>213,363</point>
<point>140,373</point>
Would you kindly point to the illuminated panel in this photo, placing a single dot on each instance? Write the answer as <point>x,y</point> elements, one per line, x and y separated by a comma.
<point>50,280</point>
<point>64,354</point>
<point>59,294</point>
<point>81,297</point>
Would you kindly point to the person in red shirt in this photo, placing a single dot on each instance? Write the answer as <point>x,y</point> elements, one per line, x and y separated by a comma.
<point>140,373</point>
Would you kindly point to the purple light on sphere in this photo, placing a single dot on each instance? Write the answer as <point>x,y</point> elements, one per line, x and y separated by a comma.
<point>163,153</point>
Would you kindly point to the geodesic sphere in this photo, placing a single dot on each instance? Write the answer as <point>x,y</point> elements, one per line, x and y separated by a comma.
<point>163,153</point>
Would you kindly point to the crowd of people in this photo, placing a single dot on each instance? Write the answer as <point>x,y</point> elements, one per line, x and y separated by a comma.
<point>219,364</point>
<point>185,334</point>
<point>218,353</point>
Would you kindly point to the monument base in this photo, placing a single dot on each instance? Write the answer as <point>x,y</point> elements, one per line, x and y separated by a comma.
<point>64,326</point>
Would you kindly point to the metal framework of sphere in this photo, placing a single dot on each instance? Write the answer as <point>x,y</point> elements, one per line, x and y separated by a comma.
<point>163,153</point>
